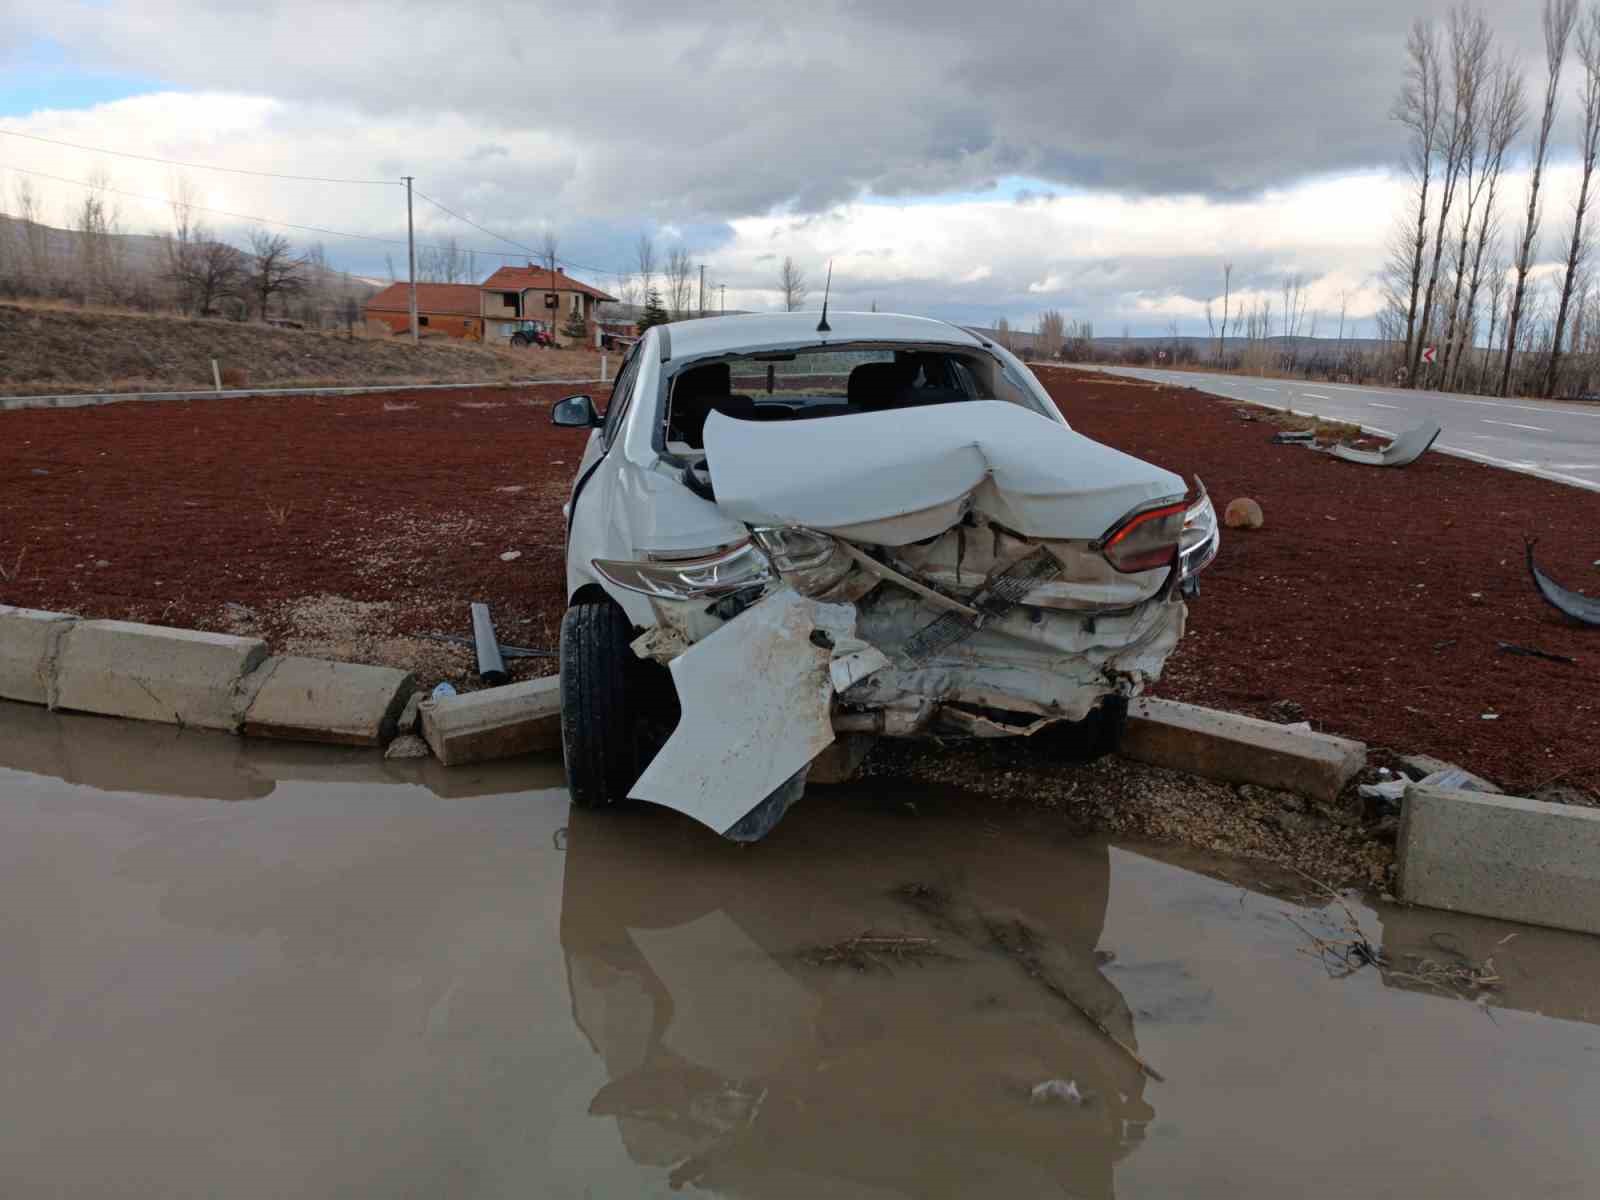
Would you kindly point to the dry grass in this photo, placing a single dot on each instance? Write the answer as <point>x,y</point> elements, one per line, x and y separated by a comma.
<point>65,349</point>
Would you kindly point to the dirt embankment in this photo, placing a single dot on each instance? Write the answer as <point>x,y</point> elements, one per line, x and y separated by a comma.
<point>53,350</point>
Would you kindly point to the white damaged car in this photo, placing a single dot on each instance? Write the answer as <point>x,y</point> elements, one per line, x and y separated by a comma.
<point>784,530</point>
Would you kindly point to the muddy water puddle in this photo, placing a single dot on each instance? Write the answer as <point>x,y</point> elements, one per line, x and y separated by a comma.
<point>250,970</point>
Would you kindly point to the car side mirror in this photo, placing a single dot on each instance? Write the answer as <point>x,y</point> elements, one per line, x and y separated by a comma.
<point>575,412</point>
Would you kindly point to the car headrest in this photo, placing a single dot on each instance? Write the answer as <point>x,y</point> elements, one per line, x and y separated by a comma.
<point>873,386</point>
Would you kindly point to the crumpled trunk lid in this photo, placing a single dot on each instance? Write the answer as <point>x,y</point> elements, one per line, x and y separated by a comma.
<point>893,478</point>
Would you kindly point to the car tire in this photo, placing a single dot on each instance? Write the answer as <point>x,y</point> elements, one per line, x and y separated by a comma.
<point>1096,736</point>
<point>599,729</point>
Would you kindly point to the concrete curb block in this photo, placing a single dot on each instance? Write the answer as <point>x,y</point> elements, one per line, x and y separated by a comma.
<point>314,700</point>
<point>1239,749</point>
<point>181,676</point>
<point>30,642</point>
<point>495,723</point>
<point>1501,856</point>
<point>188,677</point>
<point>97,399</point>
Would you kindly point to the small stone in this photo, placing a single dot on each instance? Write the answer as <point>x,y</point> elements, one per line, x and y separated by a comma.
<point>407,746</point>
<point>511,556</point>
<point>100,562</point>
<point>40,471</point>
<point>1243,513</point>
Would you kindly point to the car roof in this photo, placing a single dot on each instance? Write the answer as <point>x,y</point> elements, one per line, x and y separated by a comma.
<point>756,331</point>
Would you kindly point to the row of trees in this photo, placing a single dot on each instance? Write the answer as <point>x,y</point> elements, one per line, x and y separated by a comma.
<point>93,259</point>
<point>1451,281</point>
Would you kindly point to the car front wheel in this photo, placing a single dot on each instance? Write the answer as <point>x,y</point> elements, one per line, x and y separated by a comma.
<point>599,722</point>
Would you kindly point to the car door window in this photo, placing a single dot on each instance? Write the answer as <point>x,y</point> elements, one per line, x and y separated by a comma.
<point>621,394</point>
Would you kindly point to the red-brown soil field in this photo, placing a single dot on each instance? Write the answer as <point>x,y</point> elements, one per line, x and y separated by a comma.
<point>1374,599</point>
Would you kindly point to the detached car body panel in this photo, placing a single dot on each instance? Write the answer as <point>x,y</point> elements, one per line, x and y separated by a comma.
<point>883,527</point>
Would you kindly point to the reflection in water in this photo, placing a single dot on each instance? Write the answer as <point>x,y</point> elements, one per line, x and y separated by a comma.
<point>738,1062</point>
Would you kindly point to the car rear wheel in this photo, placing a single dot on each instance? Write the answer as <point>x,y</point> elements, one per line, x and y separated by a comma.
<point>616,709</point>
<point>1097,735</point>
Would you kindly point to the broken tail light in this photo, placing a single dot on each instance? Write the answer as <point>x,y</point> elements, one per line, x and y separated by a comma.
<point>1202,536</point>
<point>1146,539</point>
<point>810,562</point>
<point>706,576</point>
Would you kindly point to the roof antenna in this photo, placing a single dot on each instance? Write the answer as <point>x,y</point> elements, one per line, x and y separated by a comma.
<point>822,325</point>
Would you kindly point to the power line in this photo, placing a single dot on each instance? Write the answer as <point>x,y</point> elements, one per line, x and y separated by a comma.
<point>475,225</point>
<point>171,162</point>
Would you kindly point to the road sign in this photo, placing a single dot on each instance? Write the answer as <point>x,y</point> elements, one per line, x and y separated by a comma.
<point>1429,354</point>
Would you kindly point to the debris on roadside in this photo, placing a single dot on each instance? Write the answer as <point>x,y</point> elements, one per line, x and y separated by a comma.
<point>1581,608</point>
<point>411,714</point>
<point>1287,712</point>
<point>511,556</point>
<point>1243,513</point>
<point>1532,652</point>
<point>1294,437</point>
<point>1402,452</point>
<point>491,667</point>
<point>1245,414</point>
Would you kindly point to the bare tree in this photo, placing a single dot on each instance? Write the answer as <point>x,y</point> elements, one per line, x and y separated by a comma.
<point>680,283</point>
<point>1578,247</point>
<point>1497,289</point>
<point>1502,126</point>
<point>97,225</point>
<point>792,283</point>
<point>1295,299</point>
<point>443,263</point>
<point>644,257</point>
<point>1227,292</point>
<point>549,243</point>
<point>1002,332</point>
<point>1051,331</point>
<point>275,270</point>
<point>35,234</point>
<point>1469,58</point>
<point>388,263</point>
<point>1559,17</point>
<point>218,272</point>
<point>1418,108</point>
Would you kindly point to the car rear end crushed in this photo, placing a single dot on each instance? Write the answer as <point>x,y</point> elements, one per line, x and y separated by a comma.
<point>882,528</point>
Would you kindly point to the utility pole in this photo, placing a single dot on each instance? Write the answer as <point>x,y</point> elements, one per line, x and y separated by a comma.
<point>411,255</point>
<point>702,289</point>
<point>724,299</point>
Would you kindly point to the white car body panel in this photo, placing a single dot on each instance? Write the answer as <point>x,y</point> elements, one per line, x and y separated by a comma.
<point>756,697</point>
<point>891,478</point>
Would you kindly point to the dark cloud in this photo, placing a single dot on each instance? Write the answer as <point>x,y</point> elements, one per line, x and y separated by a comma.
<point>690,111</point>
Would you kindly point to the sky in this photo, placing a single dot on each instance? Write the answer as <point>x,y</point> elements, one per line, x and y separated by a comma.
<point>963,161</point>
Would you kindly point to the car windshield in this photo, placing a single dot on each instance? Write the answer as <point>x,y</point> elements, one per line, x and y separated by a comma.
<point>810,384</point>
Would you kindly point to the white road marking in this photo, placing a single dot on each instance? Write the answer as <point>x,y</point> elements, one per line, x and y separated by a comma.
<point>1263,387</point>
<point>1316,395</point>
<point>1514,425</point>
<point>1547,412</point>
<point>1375,404</point>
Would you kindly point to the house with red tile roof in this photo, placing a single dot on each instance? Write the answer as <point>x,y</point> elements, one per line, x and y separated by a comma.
<point>513,295</point>
<point>455,309</point>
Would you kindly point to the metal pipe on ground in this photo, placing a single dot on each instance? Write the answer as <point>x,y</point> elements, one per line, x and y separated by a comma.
<point>491,667</point>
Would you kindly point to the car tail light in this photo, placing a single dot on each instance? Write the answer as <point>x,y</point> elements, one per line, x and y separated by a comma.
<point>714,573</point>
<point>1145,539</point>
<point>810,562</point>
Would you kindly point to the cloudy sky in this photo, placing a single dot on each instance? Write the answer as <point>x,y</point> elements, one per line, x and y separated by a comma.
<point>964,160</point>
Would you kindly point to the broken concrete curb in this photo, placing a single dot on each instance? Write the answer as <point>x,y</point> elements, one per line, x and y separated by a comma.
<point>1237,749</point>
<point>1501,856</point>
<point>315,700</point>
<point>151,673</point>
<point>518,718</point>
<point>30,640</point>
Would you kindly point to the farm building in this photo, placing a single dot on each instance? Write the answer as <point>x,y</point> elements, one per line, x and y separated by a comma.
<point>454,309</point>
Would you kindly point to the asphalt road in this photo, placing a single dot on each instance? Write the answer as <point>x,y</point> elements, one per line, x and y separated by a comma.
<point>1559,441</point>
